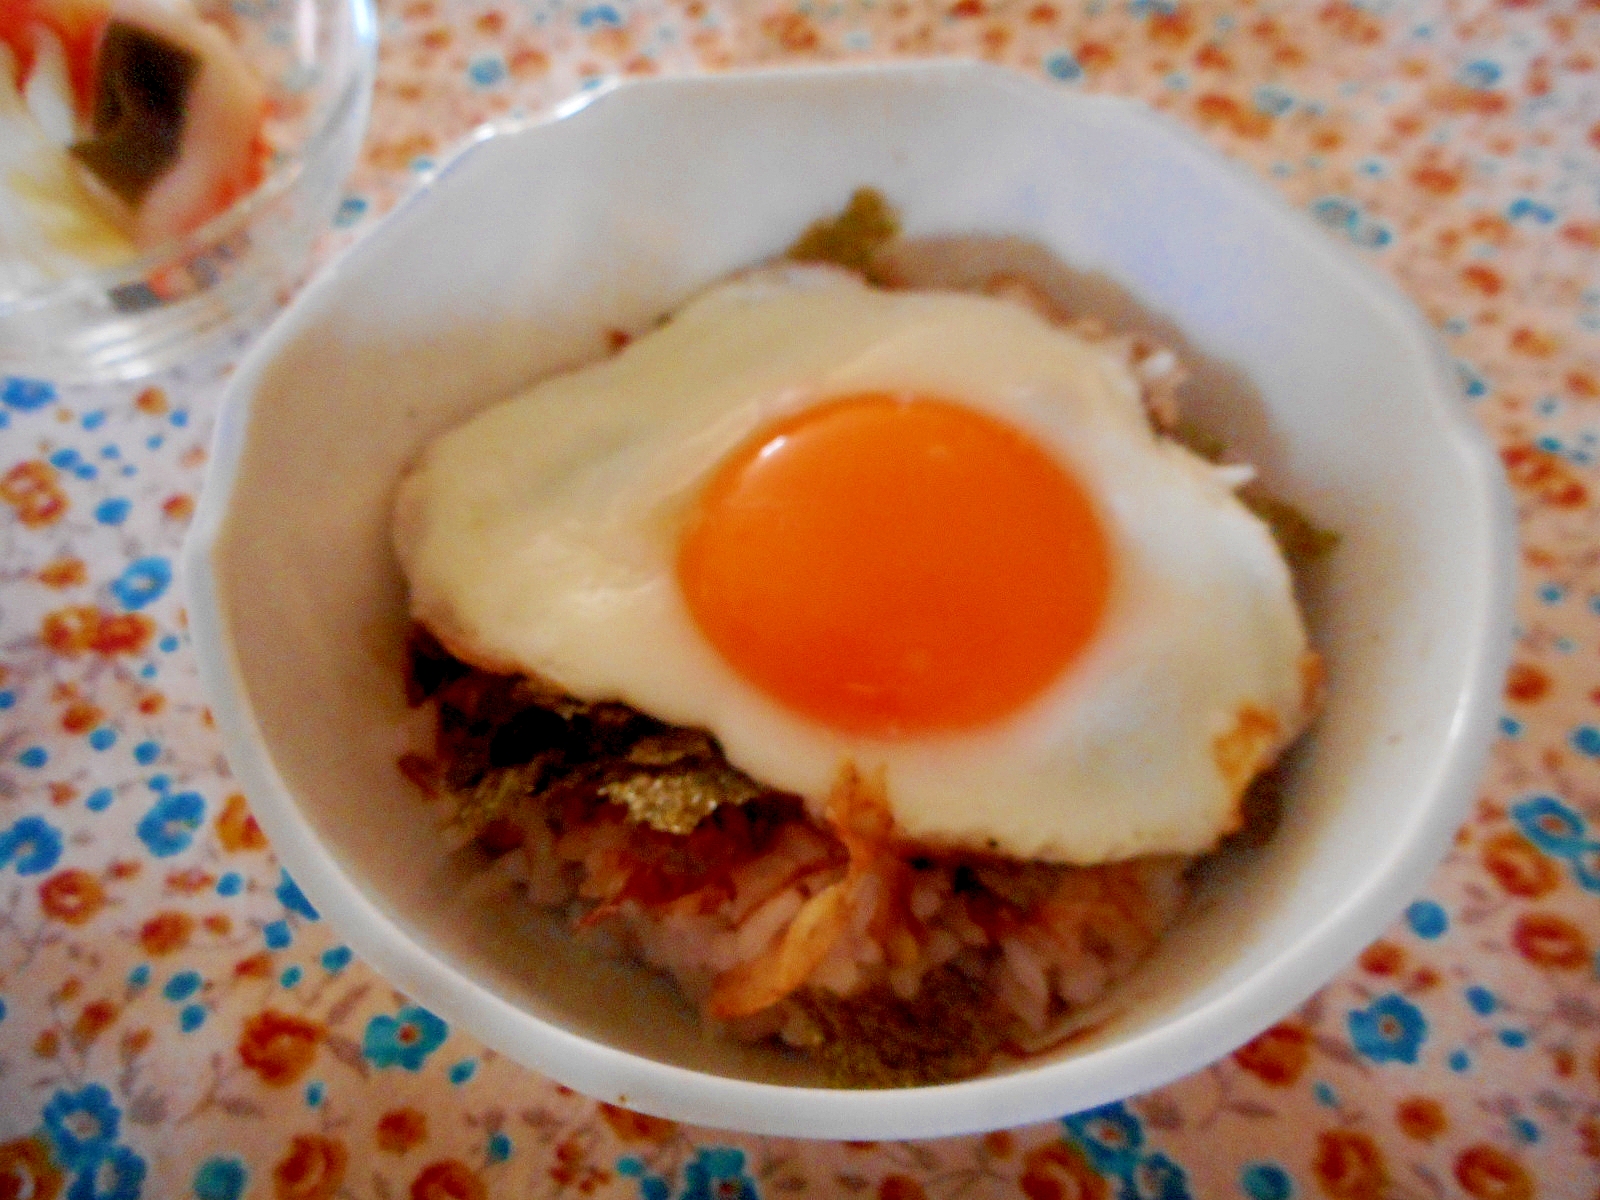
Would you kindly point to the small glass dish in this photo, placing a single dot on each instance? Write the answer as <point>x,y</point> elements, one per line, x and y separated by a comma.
<point>316,60</point>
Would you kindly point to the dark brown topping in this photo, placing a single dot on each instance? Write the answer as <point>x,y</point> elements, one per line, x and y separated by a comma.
<point>1198,441</point>
<point>949,1031</point>
<point>1261,807</point>
<point>676,802</point>
<point>429,666</point>
<point>142,83</point>
<point>1021,885</point>
<point>853,238</point>
<point>1301,540</point>
<point>504,741</point>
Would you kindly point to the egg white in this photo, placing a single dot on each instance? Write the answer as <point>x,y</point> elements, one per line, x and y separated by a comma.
<point>541,537</point>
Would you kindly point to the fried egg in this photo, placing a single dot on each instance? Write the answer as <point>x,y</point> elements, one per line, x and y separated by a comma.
<point>927,536</point>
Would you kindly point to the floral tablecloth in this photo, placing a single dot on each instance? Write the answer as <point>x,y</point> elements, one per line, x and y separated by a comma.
<point>176,1021</point>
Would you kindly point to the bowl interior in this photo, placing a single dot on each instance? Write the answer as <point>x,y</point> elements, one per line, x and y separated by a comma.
<point>535,244</point>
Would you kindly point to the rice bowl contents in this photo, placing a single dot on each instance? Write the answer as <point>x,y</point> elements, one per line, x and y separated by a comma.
<point>870,661</point>
<point>892,965</point>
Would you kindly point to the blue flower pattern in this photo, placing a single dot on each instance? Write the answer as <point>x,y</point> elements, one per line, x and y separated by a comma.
<point>32,846</point>
<point>169,827</point>
<point>403,1040</point>
<point>144,582</point>
<point>1561,832</point>
<point>715,1173</point>
<point>82,1128</point>
<point>118,1175</point>
<point>220,1179</point>
<point>82,1125</point>
<point>1265,1181</point>
<point>25,394</point>
<point>292,898</point>
<point>1391,1029</point>
<point>1110,1135</point>
<point>1113,1140</point>
<point>1156,1178</point>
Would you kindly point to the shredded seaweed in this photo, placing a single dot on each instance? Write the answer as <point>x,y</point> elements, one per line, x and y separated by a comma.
<point>429,666</point>
<point>496,796</point>
<point>1199,441</point>
<point>853,238</point>
<point>1261,807</point>
<point>677,802</point>
<point>1301,539</point>
<point>876,1039</point>
<point>142,83</point>
<point>506,741</point>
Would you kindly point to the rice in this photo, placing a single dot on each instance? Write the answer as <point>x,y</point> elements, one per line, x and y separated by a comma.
<point>890,963</point>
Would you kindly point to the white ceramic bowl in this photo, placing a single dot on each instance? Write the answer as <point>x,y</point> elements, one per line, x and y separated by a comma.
<point>315,59</point>
<point>534,242</point>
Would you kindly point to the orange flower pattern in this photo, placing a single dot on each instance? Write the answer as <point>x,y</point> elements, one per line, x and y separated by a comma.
<point>94,1020</point>
<point>279,1047</point>
<point>312,1168</point>
<point>166,933</point>
<point>1519,866</point>
<point>400,1129</point>
<point>1549,940</point>
<point>237,829</point>
<point>26,1170</point>
<point>630,1126</point>
<point>174,1014</point>
<point>72,897</point>
<point>1278,1056</point>
<point>32,491</point>
<point>448,1179</point>
<point>82,628</point>
<point>1349,1166</point>
<point>1489,1173</point>
<point>1060,1171</point>
<point>1420,1117</point>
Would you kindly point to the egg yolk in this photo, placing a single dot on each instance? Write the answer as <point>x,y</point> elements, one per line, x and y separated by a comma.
<point>892,566</point>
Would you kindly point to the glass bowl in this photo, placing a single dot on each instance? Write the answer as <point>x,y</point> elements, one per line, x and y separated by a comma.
<point>316,59</point>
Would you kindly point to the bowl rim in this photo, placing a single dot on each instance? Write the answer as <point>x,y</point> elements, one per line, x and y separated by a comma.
<point>350,103</point>
<point>1151,1058</point>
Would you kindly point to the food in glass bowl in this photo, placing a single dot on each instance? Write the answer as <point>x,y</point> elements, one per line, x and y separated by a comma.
<point>123,124</point>
<point>876,661</point>
<point>165,166</point>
